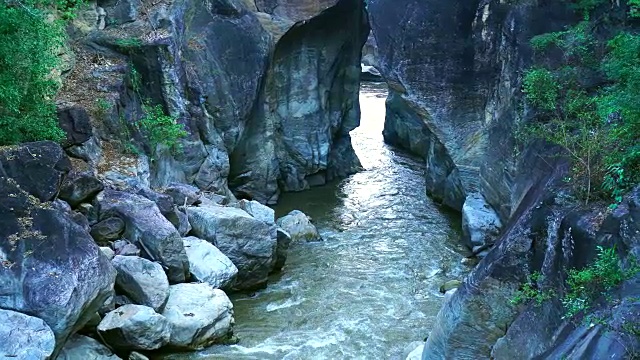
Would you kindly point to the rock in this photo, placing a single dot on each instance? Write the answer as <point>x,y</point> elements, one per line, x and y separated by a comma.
<point>284,240</point>
<point>142,281</point>
<point>52,269</point>
<point>297,224</point>
<point>370,73</point>
<point>451,284</point>
<point>75,122</point>
<point>248,242</point>
<point>146,226</point>
<point>180,220</point>
<point>61,205</point>
<point>85,348</point>
<point>125,248</point>
<point>110,254</point>
<point>124,11</point>
<point>24,337</point>
<point>89,211</point>
<point>183,194</point>
<point>199,315</point>
<point>469,261</point>
<point>135,327</point>
<point>416,354</point>
<point>257,210</point>
<point>107,230</point>
<point>38,167</point>
<point>480,223</point>
<point>81,220</point>
<point>163,201</point>
<point>208,264</point>
<point>134,355</point>
<point>80,187</point>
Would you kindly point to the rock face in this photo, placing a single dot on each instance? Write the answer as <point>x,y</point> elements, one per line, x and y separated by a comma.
<point>142,281</point>
<point>295,94</point>
<point>145,226</point>
<point>85,348</point>
<point>208,264</point>
<point>199,315</point>
<point>248,242</point>
<point>24,337</point>
<point>51,268</point>
<point>299,227</point>
<point>135,327</point>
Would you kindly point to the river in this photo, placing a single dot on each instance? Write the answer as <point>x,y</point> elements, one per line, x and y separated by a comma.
<point>372,287</point>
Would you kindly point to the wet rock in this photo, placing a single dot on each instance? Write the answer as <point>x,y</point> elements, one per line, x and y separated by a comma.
<point>52,268</point>
<point>183,194</point>
<point>142,281</point>
<point>284,240</point>
<point>451,284</point>
<point>257,210</point>
<point>107,230</point>
<point>480,223</point>
<point>248,242</point>
<point>125,248</point>
<point>208,264</point>
<point>145,225</point>
<point>416,354</point>
<point>299,227</point>
<point>24,337</point>
<point>80,187</point>
<point>135,327</point>
<point>81,347</point>
<point>199,315</point>
<point>38,167</point>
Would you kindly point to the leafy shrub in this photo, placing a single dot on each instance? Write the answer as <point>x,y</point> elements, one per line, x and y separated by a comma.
<point>530,291</point>
<point>29,44</point>
<point>160,129</point>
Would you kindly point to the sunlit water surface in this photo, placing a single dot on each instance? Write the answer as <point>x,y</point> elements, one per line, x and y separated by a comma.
<point>372,286</point>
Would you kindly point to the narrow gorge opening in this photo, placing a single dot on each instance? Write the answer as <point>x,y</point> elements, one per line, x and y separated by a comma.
<point>371,288</point>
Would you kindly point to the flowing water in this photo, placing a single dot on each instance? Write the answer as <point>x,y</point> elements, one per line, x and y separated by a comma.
<point>371,287</point>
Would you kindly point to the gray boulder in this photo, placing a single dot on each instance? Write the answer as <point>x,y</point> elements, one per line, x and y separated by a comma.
<point>142,281</point>
<point>284,240</point>
<point>257,210</point>
<point>52,268</point>
<point>85,348</point>
<point>107,230</point>
<point>480,223</point>
<point>135,327</point>
<point>199,315</point>
<point>146,226</point>
<point>299,227</point>
<point>183,194</point>
<point>80,187</point>
<point>208,264</point>
<point>24,337</point>
<point>248,242</point>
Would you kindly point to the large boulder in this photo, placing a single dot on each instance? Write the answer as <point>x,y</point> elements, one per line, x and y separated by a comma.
<point>81,347</point>
<point>299,227</point>
<point>24,337</point>
<point>51,268</point>
<point>284,240</point>
<point>183,194</point>
<point>480,223</point>
<point>199,315</point>
<point>38,167</point>
<point>148,228</point>
<point>80,187</point>
<point>135,327</point>
<point>257,210</point>
<point>110,229</point>
<point>142,281</point>
<point>248,242</point>
<point>208,264</point>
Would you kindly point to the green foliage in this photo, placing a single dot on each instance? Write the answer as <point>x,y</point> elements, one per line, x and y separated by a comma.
<point>160,129</point>
<point>29,43</point>
<point>597,125</point>
<point>585,286</point>
<point>530,291</point>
